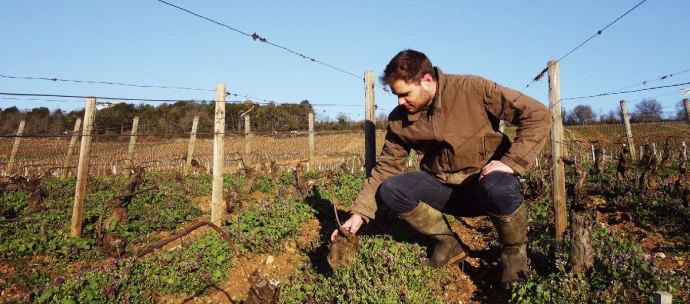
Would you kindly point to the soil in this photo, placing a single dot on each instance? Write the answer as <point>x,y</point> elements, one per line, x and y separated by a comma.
<point>651,241</point>
<point>203,202</point>
<point>263,267</point>
<point>267,292</point>
<point>466,287</point>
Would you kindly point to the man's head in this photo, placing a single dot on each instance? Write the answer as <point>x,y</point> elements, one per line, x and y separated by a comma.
<point>412,78</point>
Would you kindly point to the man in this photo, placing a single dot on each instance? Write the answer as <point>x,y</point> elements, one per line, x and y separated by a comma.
<point>469,168</point>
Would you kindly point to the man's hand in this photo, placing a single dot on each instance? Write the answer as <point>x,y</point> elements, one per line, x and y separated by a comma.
<point>351,225</point>
<point>495,166</point>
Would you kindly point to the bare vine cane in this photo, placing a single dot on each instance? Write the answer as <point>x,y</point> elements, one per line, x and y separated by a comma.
<point>668,154</point>
<point>17,179</point>
<point>335,210</point>
<point>251,103</point>
<point>50,170</point>
<point>108,204</point>
<point>344,248</point>
<point>162,243</point>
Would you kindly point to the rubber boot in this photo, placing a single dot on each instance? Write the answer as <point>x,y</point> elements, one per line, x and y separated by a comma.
<point>431,222</point>
<point>512,233</point>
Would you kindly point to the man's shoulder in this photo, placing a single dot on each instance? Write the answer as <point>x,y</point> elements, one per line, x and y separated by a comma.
<point>465,85</point>
<point>465,79</point>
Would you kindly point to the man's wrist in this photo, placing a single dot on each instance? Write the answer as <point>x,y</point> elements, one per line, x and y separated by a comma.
<point>517,168</point>
<point>365,218</point>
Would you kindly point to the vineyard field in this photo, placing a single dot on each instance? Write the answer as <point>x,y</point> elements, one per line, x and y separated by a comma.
<point>281,221</point>
<point>36,156</point>
<point>282,232</point>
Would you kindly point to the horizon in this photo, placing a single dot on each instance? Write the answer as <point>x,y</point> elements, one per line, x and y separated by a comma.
<point>159,45</point>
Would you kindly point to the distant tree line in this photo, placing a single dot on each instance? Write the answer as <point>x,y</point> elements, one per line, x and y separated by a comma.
<point>177,118</point>
<point>646,110</point>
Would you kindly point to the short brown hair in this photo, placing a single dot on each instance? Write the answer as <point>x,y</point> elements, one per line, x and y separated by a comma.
<point>408,65</point>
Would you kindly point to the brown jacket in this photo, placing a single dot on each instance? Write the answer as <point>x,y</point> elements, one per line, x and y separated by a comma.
<point>458,134</point>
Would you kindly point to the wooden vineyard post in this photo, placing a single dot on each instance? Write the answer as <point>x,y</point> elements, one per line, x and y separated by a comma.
<point>370,123</point>
<point>83,167</point>
<point>685,149</point>
<point>311,142</point>
<point>593,156</point>
<point>70,151</point>
<point>654,148</point>
<point>129,162</point>
<point>628,130</point>
<point>556,149</point>
<point>15,148</point>
<point>190,150</point>
<point>247,141</point>
<point>218,156</point>
<point>686,102</point>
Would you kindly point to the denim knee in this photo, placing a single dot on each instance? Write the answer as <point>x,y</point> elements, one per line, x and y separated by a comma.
<point>501,193</point>
<point>392,196</point>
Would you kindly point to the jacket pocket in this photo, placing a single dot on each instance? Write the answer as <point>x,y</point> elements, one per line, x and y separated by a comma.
<point>495,145</point>
<point>464,151</point>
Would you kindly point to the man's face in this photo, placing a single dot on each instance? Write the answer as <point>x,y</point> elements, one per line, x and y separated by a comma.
<point>413,96</point>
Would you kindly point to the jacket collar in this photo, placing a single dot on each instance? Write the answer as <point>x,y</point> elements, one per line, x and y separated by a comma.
<point>413,117</point>
<point>436,103</point>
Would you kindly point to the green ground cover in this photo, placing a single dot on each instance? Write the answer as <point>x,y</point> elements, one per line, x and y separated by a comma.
<point>389,266</point>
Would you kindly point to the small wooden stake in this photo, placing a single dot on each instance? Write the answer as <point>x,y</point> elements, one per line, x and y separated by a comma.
<point>628,131</point>
<point>247,141</point>
<point>641,152</point>
<point>129,163</point>
<point>311,142</point>
<point>663,297</point>
<point>190,150</point>
<point>70,150</point>
<point>686,103</point>
<point>15,148</point>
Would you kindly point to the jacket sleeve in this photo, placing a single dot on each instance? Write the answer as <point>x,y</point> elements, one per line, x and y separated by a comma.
<point>390,163</point>
<point>532,118</point>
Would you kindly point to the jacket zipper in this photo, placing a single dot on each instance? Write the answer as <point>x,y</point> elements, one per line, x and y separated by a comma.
<point>431,122</point>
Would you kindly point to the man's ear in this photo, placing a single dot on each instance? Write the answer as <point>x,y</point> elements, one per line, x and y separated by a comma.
<point>427,81</point>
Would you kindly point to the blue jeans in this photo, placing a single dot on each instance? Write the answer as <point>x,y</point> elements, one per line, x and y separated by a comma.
<point>497,193</point>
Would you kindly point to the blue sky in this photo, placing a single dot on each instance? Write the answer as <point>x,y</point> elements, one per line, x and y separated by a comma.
<point>147,42</point>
